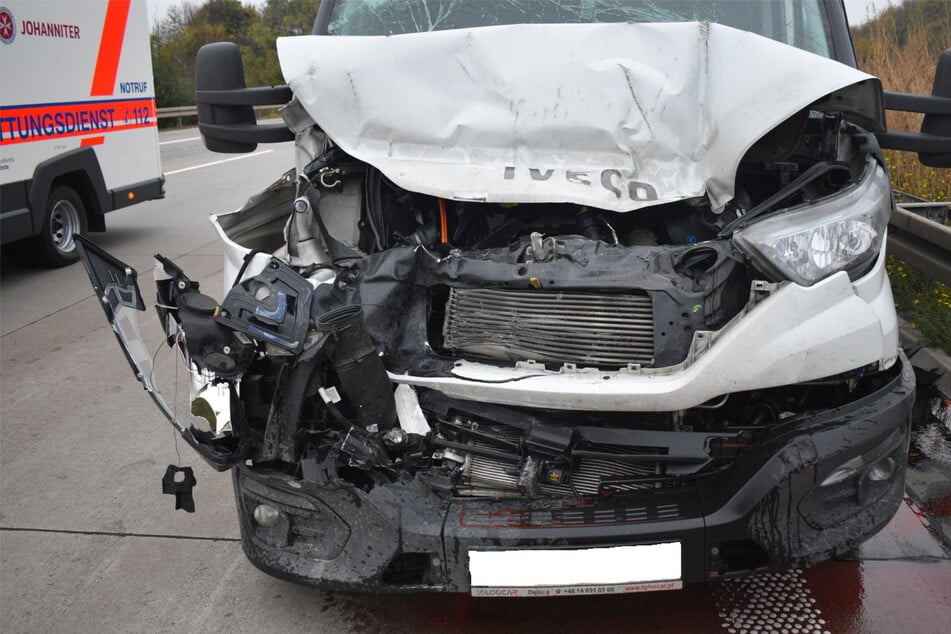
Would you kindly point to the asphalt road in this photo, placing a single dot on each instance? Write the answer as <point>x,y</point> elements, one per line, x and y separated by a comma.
<point>89,543</point>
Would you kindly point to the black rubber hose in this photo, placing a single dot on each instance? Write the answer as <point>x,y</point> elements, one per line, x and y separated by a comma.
<point>363,378</point>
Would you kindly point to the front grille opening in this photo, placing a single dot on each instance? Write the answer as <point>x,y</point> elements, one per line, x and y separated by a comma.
<point>605,330</point>
<point>588,477</point>
<point>407,569</point>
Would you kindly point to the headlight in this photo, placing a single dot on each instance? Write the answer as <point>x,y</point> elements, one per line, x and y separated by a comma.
<point>842,232</point>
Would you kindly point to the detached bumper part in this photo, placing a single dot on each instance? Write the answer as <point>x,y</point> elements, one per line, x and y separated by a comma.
<point>116,285</point>
<point>768,510</point>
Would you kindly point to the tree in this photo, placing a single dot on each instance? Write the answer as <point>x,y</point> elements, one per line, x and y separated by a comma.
<point>185,29</point>
<point>290,17</point>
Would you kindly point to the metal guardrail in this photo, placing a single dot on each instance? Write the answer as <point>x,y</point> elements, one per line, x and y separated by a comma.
<point>922,243</point>
<point>180,111</point>
<point>192,111</point>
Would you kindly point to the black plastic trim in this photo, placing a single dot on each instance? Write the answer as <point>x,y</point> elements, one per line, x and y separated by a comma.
<point>322,21</point>
<point>258,96</point>
<point>843,49</point>
<point>774,476</point>
<point>914,142</point>
<point>144,190</point>
<point>15,222</point>
<point>909,102</point>
<point>246,133</point>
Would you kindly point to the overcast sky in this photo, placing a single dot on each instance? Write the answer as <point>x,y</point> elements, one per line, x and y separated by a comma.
<point>858,10</point>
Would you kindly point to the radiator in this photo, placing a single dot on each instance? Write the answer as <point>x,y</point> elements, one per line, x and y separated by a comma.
<point>585,328</point>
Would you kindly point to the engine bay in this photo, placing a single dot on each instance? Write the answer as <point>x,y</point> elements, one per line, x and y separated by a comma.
<point>349,286</point>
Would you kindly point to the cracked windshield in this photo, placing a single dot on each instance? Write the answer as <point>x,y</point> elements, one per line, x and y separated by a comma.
<point>799,22</point>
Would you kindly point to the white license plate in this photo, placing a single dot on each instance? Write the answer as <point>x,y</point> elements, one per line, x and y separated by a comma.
<point>611,570</point>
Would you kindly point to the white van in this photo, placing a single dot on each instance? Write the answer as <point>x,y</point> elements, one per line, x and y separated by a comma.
<point>560,298</point>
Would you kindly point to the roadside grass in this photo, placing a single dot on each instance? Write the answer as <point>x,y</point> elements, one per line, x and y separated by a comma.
<point>923,301</point>
<point>903,56</point>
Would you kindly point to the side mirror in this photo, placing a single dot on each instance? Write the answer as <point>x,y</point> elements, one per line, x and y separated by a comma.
<point>939,124</point>
<point>933,143</point>
<point>226,118</point>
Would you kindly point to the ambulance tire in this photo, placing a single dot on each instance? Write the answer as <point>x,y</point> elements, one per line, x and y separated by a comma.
<point>65,219</point>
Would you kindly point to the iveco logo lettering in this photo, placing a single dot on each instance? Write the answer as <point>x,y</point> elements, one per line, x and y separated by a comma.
<point>610,179</point>
<point>8,26</point>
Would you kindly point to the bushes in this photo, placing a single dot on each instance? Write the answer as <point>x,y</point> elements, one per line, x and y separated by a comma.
<point>923,301</point>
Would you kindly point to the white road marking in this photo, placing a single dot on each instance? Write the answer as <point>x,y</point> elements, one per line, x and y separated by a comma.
<point>234,158</point>
<point>191,138</point>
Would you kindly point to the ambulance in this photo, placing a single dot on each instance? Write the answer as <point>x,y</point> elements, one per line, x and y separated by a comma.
<point>78,135</point>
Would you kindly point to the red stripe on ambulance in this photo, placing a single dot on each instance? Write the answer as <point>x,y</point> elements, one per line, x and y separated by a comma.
<point>24,124</point>
<point>110,48</point>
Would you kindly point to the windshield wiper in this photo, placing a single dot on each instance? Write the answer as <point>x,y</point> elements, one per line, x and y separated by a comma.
<point>811,174</point>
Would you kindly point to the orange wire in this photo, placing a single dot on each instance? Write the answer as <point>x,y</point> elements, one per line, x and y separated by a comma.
<point>443,222</point>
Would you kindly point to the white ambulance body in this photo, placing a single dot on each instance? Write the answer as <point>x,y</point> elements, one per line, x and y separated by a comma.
<point>78,135</point>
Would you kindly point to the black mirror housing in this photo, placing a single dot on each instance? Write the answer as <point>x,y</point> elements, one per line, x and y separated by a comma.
<point>939,124</point>
<point>226,116</point>
<point>933,142</point>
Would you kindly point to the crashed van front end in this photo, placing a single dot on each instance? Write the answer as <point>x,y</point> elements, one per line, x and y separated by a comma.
<point>614,323</point>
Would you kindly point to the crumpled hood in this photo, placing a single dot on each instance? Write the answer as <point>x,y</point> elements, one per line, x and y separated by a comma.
<point>615,116</point>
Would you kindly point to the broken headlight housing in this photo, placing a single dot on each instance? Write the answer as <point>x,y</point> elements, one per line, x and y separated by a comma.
<point>842,232</point>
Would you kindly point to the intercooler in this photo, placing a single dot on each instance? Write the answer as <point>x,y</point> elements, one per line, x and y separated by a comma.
<point>490,477</point>
<point>586,328</point>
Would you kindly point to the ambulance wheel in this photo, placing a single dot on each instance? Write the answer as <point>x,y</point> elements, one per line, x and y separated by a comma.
<point>65,219</point>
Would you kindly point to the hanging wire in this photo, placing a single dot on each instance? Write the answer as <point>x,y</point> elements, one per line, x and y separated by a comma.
<point>175,401</point>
